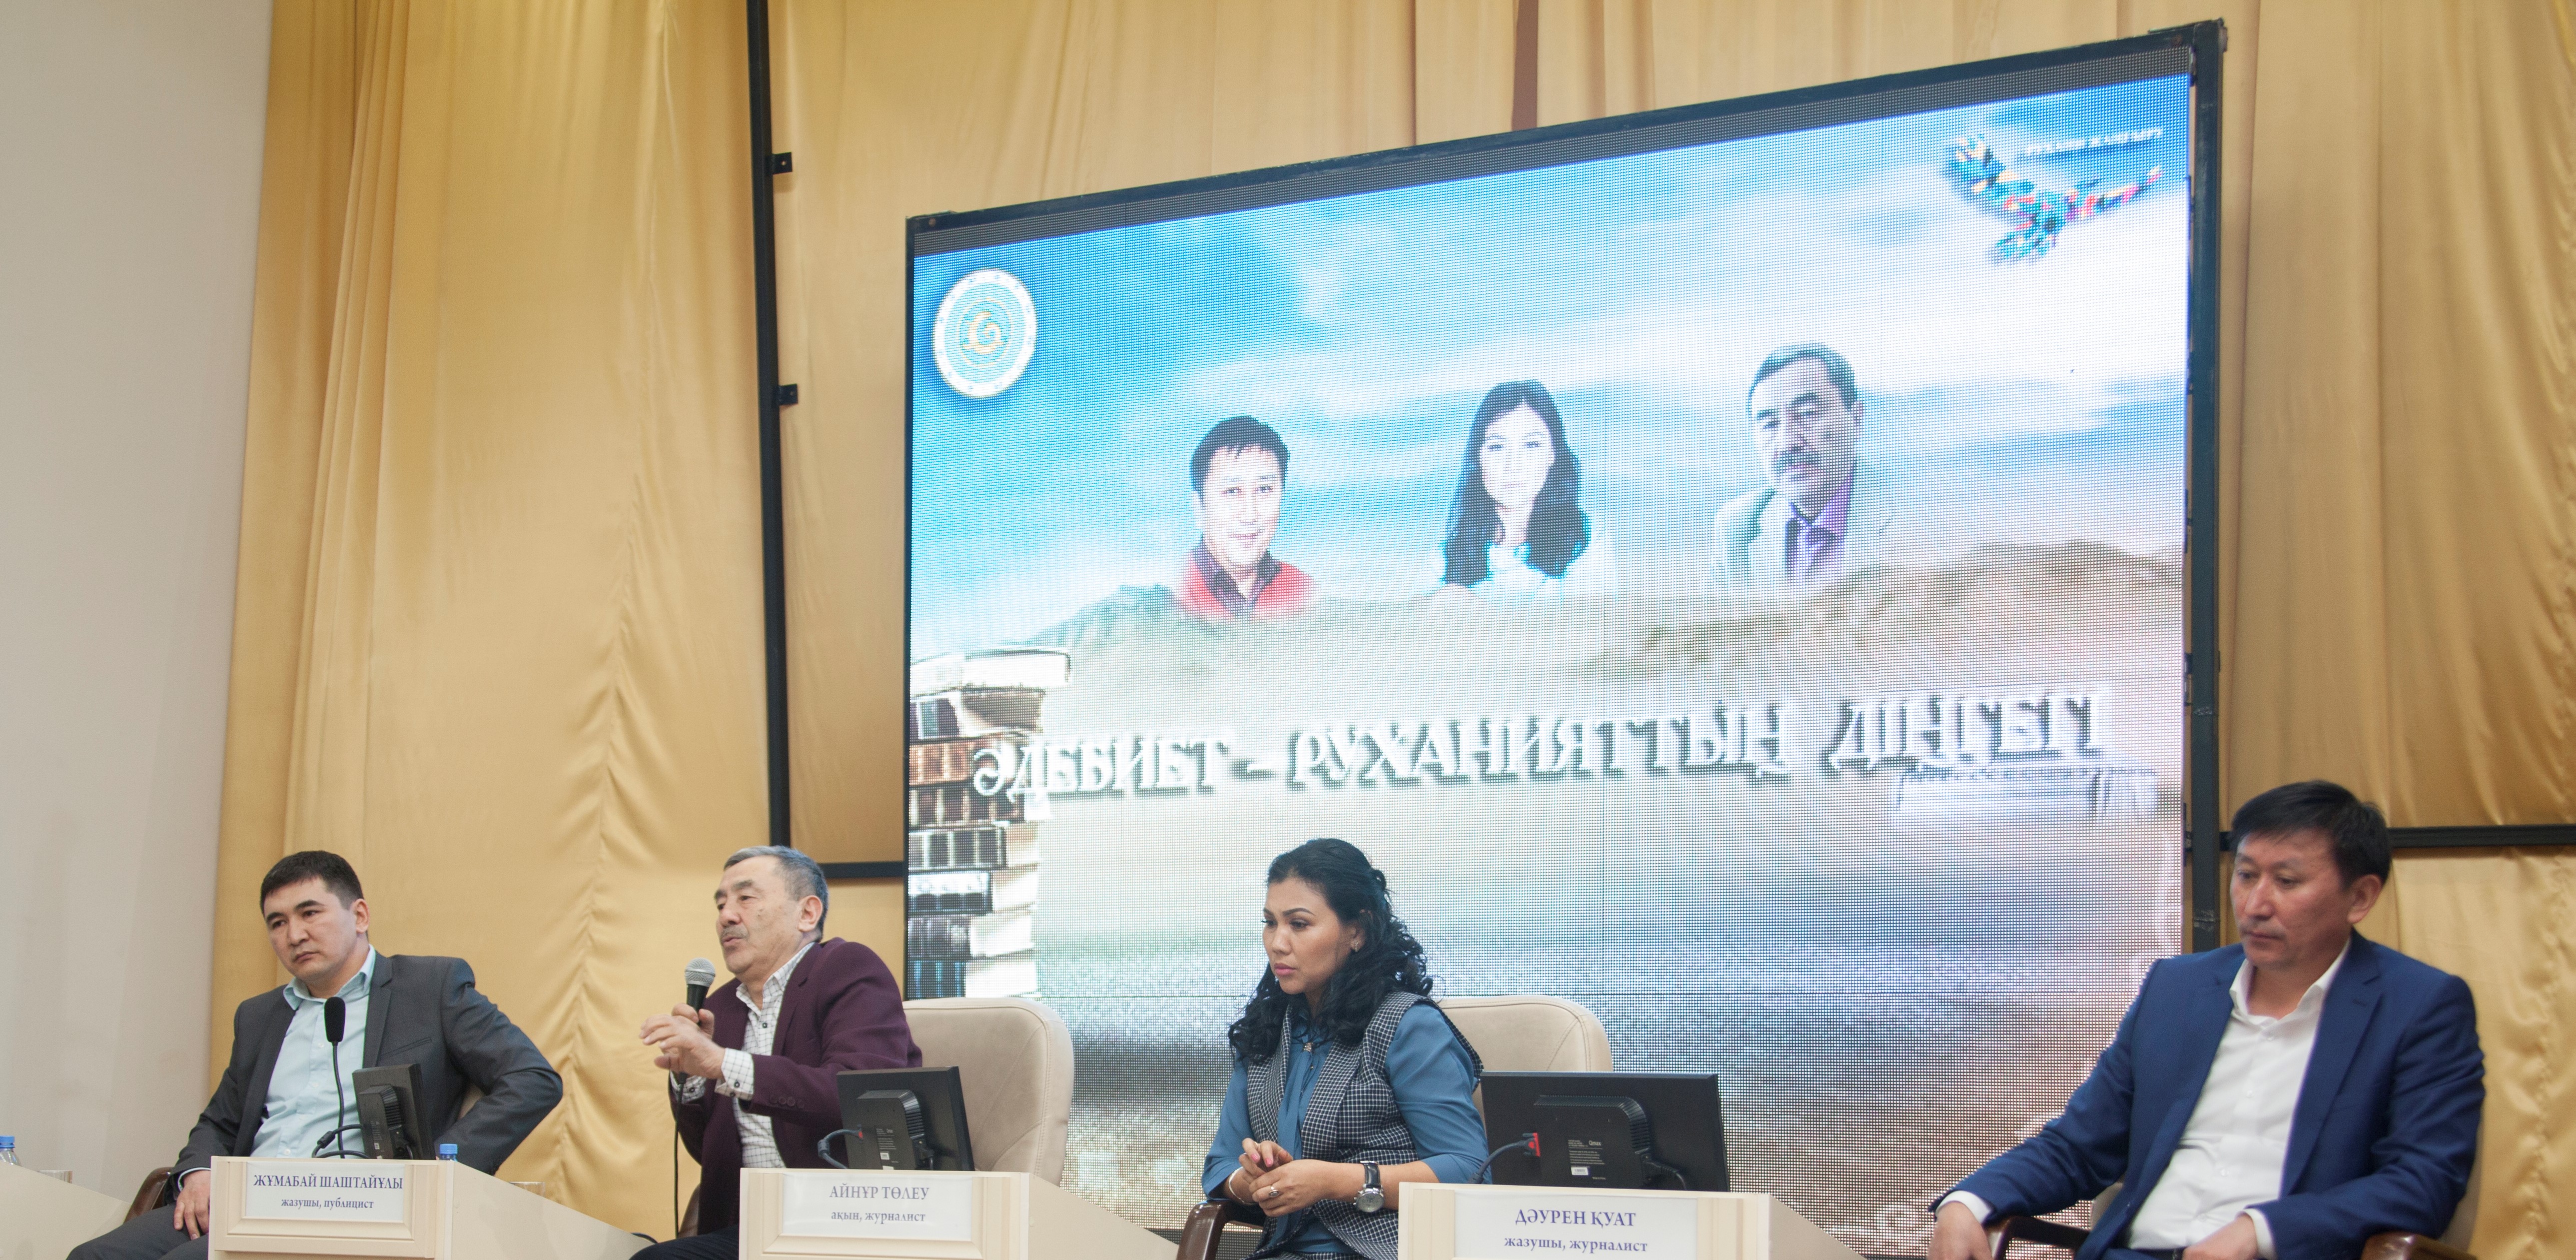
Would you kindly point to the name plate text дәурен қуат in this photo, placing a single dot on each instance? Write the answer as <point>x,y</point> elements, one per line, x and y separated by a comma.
<point>1569,1225</point>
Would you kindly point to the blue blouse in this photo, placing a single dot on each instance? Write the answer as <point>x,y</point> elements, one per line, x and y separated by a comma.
<point>1434,1084</point>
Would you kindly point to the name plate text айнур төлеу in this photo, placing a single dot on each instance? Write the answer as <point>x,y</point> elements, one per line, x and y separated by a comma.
<point>1543,1223</point>
<point>326,1190</point>
<point>878,1205</point>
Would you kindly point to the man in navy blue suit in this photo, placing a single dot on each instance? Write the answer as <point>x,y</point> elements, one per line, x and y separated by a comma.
<point>2287,1097</point>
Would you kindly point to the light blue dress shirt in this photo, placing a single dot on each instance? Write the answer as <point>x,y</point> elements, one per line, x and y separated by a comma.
<point>303,1109</point>
<point>1434,1084</point>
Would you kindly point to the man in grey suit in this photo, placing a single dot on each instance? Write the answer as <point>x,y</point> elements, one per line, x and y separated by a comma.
<point>278,1098</point>
<point>1823,514</point>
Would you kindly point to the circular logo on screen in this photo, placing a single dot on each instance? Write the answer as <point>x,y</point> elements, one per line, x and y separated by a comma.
<point>986,331</point>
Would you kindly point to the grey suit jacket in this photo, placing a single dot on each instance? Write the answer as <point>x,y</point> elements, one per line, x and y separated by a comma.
<point>420,1009</point>
<point>1748,541</point>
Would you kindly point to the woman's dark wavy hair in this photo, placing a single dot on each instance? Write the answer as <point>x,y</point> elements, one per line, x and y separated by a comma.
<point>1388,959</point>
<point>1558,530</point>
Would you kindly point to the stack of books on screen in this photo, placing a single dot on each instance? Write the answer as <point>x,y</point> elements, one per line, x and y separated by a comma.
<point>971,859</point>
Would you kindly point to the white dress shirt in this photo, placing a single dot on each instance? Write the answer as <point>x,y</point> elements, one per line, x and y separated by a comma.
<point>2233,1149</point>
<point>1512,582</point>
<point>759,1135</point>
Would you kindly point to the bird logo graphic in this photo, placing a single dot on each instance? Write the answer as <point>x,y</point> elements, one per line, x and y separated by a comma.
<point>2037,215</point>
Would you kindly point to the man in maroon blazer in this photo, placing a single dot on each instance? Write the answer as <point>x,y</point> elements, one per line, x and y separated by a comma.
<point>752,1074</point>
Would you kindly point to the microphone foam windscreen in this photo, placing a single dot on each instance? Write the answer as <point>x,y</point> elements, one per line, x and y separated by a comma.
<point>335,1020</point>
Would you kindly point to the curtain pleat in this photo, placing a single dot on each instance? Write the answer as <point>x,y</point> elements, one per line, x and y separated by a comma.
<point>1462,68</point>
<point>304,182</point>
<point>498,637</point>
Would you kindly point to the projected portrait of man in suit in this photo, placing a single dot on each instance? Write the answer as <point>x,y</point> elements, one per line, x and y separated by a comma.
<point>1822,513</point>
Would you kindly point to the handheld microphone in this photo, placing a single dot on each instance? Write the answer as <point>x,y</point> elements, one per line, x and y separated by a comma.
<point>698,975</point>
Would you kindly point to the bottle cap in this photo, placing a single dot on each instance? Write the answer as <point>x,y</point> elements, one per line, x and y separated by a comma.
<point>447,1150</point>
<point>8,1143</point>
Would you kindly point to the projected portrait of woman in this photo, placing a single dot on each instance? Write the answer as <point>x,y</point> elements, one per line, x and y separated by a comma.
<point>1518,535</point>
<point>1348,1082</point>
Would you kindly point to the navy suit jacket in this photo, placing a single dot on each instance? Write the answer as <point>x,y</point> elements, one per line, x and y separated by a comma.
<point>843,1012</point>
<point>2381,1139</point>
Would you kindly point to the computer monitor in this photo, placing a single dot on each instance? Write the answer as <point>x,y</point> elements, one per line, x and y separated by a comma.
<point>390,1125</point>
<point>1607,1130</point>
<point>902,1118</point>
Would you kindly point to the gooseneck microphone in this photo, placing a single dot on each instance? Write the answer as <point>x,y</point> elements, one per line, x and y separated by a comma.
<point>700,975</point>
<point>335,1023</point>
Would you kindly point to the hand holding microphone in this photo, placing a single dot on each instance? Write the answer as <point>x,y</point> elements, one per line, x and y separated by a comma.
<point>700,975</point>
<point>684,1040</point>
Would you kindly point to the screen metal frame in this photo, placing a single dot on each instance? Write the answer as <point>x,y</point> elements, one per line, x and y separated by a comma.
<point>2197,50</point>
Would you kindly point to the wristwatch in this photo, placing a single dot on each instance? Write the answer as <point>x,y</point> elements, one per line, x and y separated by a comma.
<point>1371,1198</point>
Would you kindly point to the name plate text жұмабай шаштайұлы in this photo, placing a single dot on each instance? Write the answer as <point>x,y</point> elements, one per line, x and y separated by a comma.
<point>878,1205</point>
<point>1506,1226</point>
<point>326,1190</point>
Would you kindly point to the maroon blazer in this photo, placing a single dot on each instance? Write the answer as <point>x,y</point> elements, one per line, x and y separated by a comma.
<point>843,1012</point>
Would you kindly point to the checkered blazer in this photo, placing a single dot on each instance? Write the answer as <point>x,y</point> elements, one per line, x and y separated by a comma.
<point>1351,1118</point>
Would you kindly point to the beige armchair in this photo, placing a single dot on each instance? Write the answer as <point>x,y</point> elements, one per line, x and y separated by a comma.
<point>1524,1032</point>
<point>1519,1032</point>
<point>148,1195</point>
<point>1015,1059</point>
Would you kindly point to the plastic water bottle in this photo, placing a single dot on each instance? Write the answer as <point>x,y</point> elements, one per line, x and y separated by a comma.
<point>9,1150</point>
<point>447,1150</point>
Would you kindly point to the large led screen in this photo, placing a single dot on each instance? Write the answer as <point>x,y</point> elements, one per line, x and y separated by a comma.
<point>1729,572</point>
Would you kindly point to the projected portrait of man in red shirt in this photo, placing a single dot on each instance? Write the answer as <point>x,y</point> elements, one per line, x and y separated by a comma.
<point>1238,477</point>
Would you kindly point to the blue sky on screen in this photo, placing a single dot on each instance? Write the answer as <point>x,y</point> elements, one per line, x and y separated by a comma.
<point>2045,396</point>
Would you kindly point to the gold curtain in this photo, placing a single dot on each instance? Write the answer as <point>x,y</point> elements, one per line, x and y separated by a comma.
<point>498,627</point>
<point>497,634</point>
<point>2398,434</point>
<point>2405,558</point>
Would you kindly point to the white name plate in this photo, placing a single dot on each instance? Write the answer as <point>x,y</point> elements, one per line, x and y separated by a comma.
<point>1571,1223</point>
<point>878,1205</point>
<point>326,1190</point>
